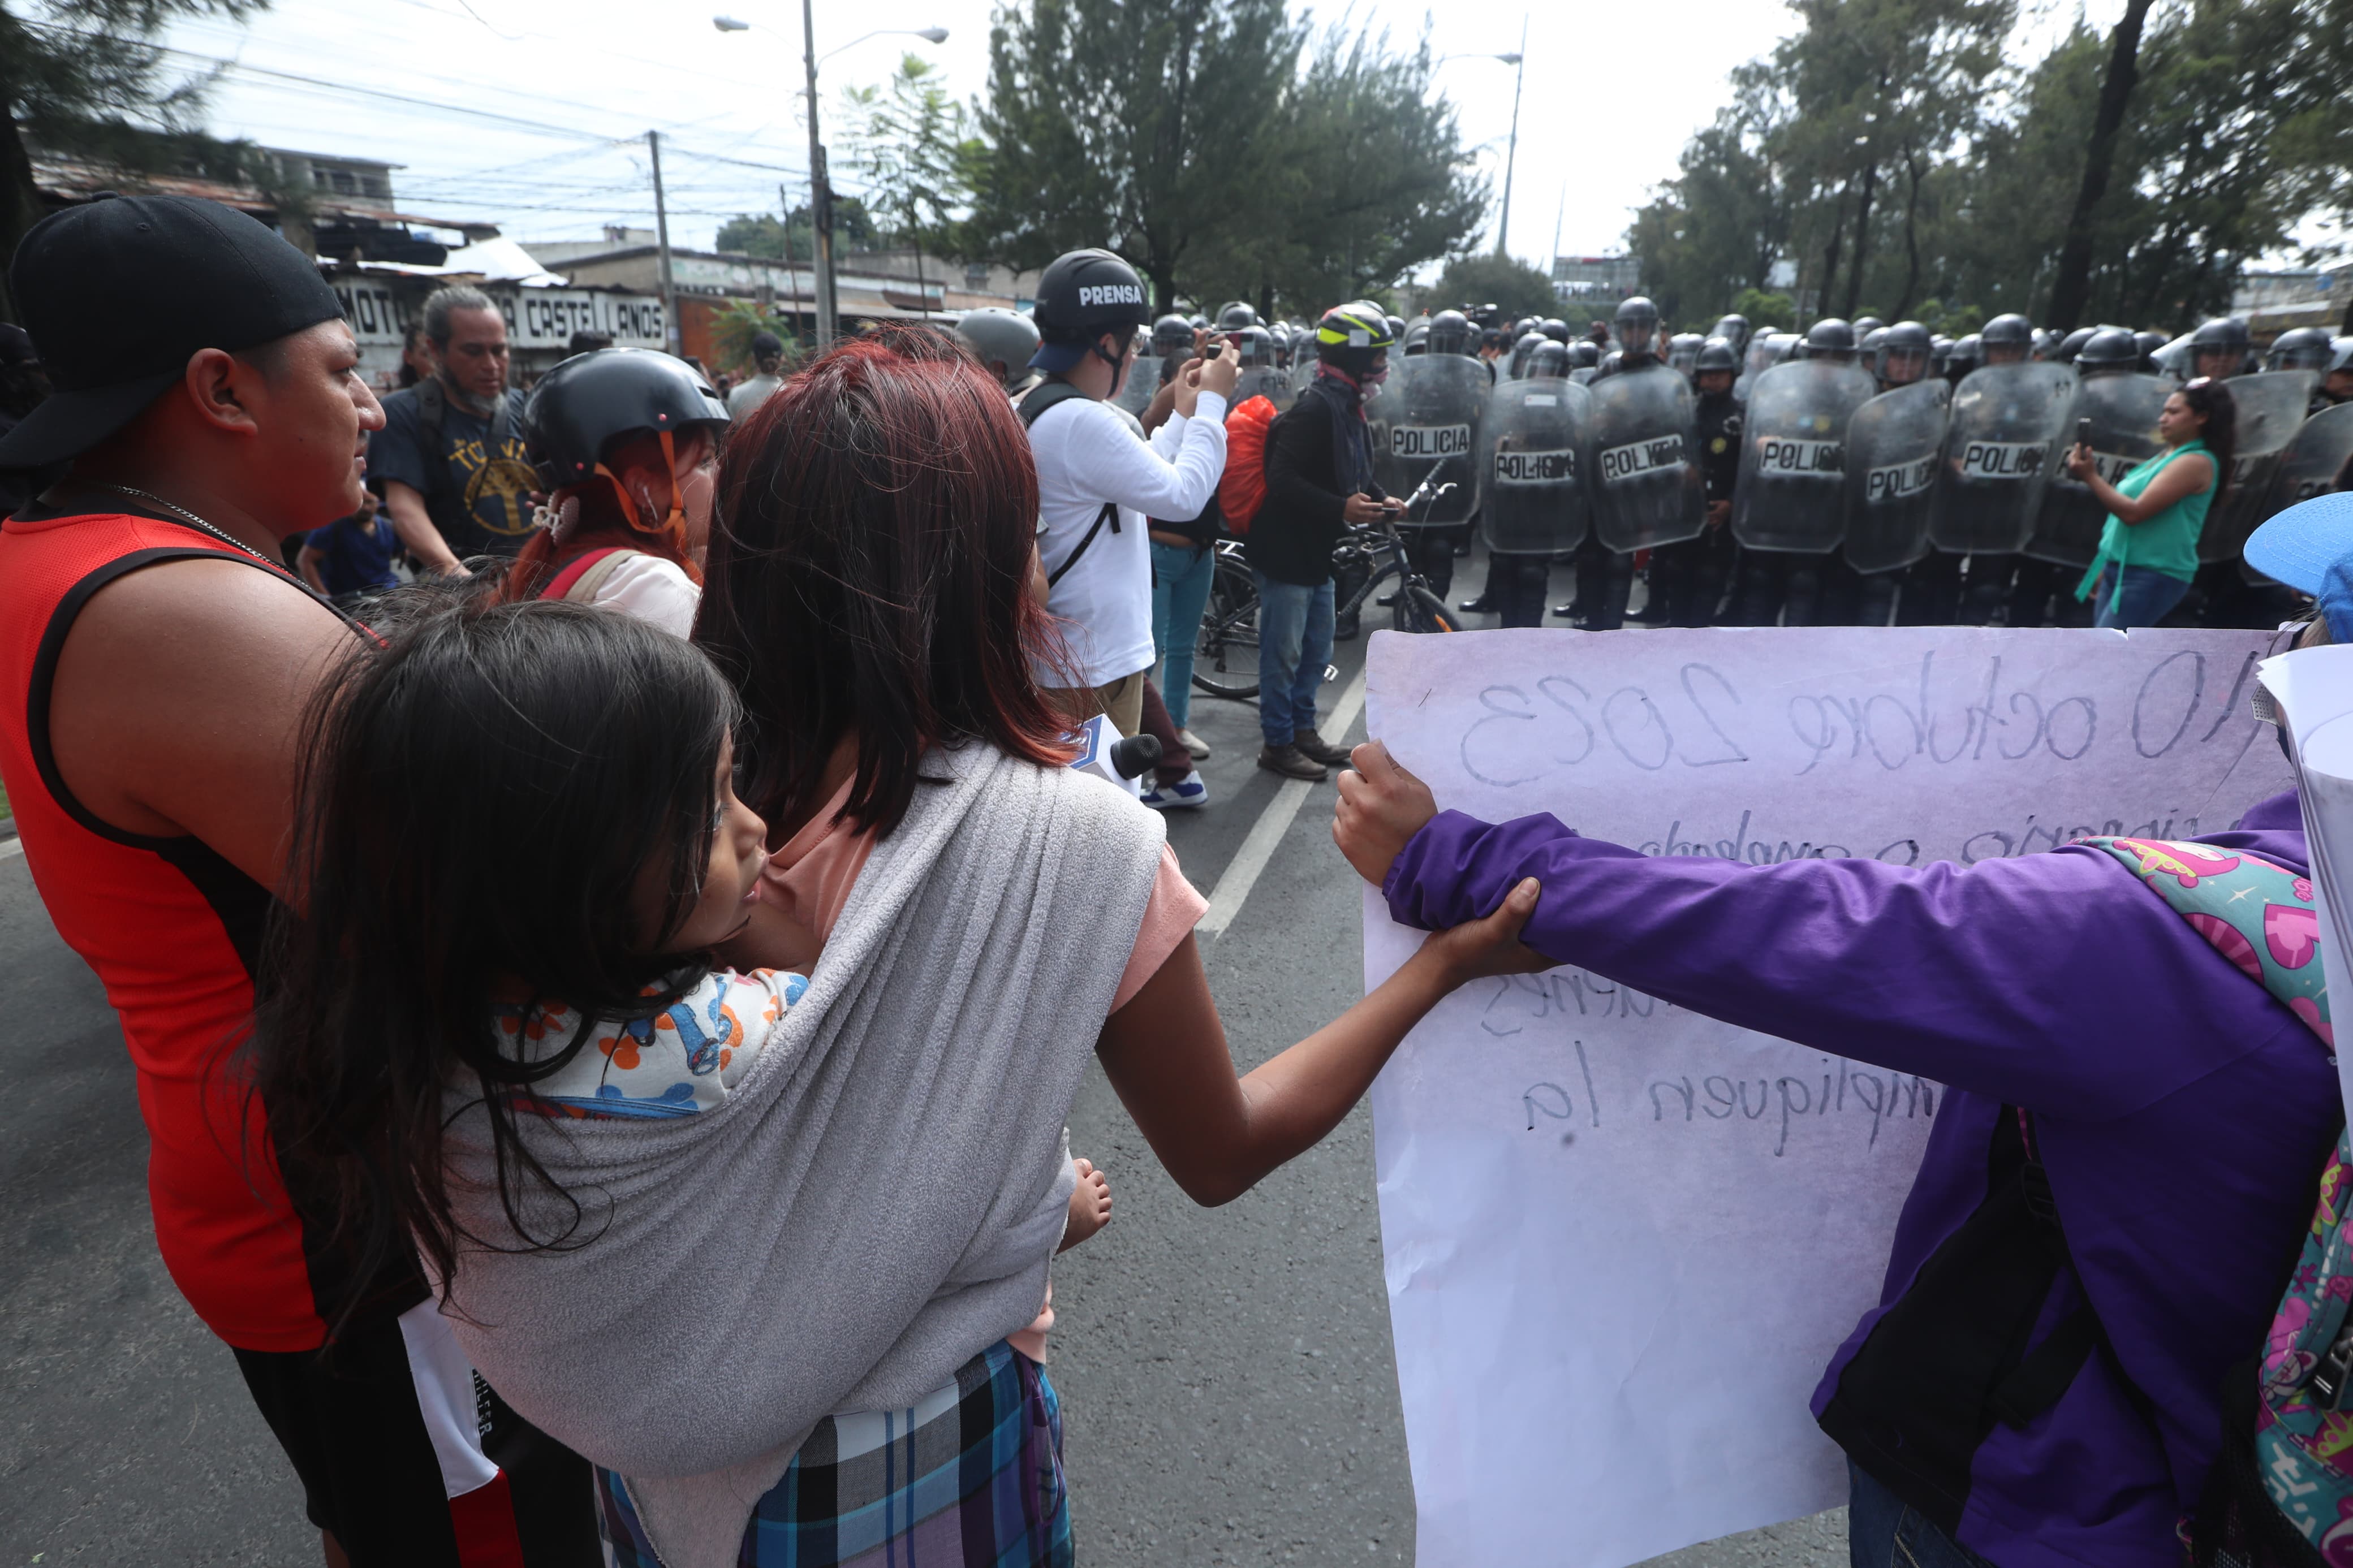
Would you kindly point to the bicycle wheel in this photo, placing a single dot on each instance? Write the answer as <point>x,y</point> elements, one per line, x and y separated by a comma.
<point>1224,660</point>
<point>1419,610</point>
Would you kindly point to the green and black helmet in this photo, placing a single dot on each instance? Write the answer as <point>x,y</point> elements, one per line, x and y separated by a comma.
<point>1360,324</point>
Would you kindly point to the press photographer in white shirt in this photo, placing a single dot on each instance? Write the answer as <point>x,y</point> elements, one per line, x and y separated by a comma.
<point>1097,483</point>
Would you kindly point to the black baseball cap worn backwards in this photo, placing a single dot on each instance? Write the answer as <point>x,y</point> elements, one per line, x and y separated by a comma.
<point>121,291</point>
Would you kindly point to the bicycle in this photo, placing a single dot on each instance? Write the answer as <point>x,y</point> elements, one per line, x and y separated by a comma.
<point>1229,634</point>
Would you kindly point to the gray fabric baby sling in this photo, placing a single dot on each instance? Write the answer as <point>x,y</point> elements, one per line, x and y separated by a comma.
<point>877,1199</point>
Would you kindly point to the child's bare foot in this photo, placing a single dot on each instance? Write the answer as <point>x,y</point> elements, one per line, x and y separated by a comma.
<point>1090,1205</point>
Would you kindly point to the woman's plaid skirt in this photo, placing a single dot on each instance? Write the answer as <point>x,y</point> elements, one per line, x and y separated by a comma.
<point>971,1478</point>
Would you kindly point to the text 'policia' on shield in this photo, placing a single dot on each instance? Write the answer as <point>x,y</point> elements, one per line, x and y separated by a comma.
<point>1430,440</point>
<point>1638,458</point>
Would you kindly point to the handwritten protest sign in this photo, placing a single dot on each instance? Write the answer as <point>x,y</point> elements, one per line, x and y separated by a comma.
<point>1623,1239</point>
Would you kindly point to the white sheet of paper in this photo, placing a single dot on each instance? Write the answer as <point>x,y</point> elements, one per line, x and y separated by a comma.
<point>1622,1239</point>
<point>2314,690</point>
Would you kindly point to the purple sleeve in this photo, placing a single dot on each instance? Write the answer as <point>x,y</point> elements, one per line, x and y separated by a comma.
<point>2052,981</point>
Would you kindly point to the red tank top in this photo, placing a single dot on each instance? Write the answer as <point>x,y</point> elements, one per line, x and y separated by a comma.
<point>172,930</point>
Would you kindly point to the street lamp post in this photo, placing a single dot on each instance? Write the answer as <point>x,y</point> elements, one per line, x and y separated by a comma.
<point>1518,62</point>
<point>829,313</point>
<point>1512,158</point>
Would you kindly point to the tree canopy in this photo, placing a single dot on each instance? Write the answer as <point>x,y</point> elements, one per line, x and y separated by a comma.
<point>790,238</point>
<point>1485,278</point>
<point>88,77</point>
<point>1219,147</point>
<point>1889,153</point>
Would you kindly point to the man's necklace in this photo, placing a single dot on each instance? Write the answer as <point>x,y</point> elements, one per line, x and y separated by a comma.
<point>191,519</point>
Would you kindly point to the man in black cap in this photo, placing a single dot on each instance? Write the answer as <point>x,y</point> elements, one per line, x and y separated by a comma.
<point>155,664</point>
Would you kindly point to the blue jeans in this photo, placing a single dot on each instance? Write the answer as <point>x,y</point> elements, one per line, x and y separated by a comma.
<point>1181,589</point>
<point>1294,642</point>
<point>2146,597</point>
<point>1883,1531</point>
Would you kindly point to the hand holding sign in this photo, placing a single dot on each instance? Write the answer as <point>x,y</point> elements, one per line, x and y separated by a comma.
<point>1381,807</point>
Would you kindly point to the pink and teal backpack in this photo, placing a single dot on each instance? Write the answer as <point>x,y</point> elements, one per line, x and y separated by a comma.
<point>2282,1488</point>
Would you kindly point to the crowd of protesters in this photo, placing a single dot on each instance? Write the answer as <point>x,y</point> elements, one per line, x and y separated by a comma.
<point>606,1011</point>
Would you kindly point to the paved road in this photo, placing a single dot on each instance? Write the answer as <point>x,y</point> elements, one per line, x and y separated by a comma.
<point>1226,1375</point>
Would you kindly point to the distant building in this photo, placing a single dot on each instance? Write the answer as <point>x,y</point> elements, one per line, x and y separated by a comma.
<point>2272,301</point>
<point>1596,279</point>
<point>338,207</point>
<point>380,301</point>
<point>869,285</point>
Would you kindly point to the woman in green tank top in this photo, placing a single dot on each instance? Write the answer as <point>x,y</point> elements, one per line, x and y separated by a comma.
<point>2149,553</point>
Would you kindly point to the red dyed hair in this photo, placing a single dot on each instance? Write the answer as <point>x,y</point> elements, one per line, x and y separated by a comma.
<point>868,575</point>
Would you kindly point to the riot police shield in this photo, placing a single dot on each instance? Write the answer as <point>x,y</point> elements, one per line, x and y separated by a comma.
<point>2313,460</point>
<point>1263,381</point>
<point>1999,449</point>
<point>1583,375</point>
<point>1647,487</point>
<point>1892,445</point>
<point>1143,383</point>
<point>1534,457</point>
<point>2122,411</point>
<point>1302,367</point>
<point>1792,493</point>
<point>2271,409</point>
<point>1426,417</point>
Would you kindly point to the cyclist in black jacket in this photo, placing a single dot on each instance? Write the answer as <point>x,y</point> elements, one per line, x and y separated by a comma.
<point>1319,478</point>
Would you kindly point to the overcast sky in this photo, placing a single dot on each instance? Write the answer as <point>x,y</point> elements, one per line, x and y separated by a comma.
<point>528,114</point>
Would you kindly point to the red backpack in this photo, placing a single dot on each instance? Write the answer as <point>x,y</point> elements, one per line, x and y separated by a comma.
<point>1241,489</point>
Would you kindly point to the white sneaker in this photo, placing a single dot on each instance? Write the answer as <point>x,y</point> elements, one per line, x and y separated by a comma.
<point>1186,791</point>
<point>1194,744</point>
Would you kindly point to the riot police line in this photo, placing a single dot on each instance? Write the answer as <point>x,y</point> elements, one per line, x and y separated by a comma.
<point>1881,473</point>
<point>1872,472</point>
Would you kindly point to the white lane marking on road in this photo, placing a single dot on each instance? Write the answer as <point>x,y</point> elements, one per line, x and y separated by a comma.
<point>1242,873</point>
<point>11,846</point>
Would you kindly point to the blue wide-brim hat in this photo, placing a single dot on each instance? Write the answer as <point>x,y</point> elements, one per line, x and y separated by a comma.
<point>2309,547</point>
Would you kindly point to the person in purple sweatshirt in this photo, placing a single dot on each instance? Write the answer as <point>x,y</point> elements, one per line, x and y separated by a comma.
<point>2178,1118</point>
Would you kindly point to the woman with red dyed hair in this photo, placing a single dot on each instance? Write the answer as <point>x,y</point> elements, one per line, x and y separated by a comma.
<point>791,1328</point>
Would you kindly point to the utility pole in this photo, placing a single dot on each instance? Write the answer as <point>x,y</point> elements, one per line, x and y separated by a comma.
<point>792,268</point>
<point>821,194</point>
<point>670,331</point>
<point>1512,157</point>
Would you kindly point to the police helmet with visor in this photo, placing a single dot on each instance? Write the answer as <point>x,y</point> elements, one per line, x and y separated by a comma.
<point>2108,349</point>
<point>1638,325</point>
<point>1172,337</point>
<point>2299,348</point>
<point>1833,339</point>
<point>1549,360</point>
<point>2219,348</point>
<point>1904,354</point>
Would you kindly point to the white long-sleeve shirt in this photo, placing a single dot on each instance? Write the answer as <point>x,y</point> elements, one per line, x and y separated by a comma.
<point>1086,456</point>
